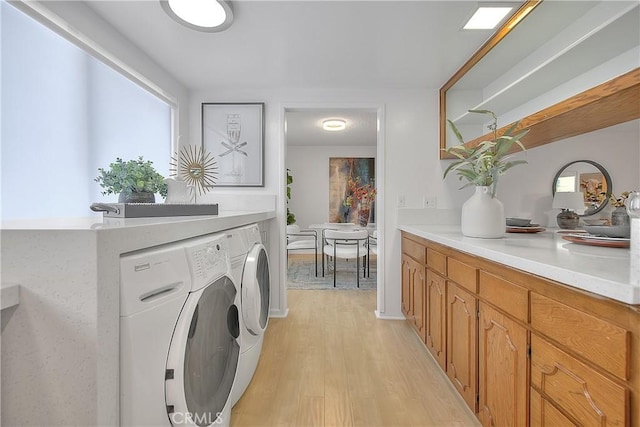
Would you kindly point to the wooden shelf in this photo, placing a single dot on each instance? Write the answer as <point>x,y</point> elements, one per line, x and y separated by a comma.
<point>611,103</point>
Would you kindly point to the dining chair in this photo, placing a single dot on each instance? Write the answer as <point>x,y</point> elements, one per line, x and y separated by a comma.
<point>372,248</point>
<point>298,239</point>
<point>345,244</point>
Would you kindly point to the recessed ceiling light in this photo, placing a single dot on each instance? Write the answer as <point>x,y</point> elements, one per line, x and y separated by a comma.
<point>487,17</point>
<point>334,124</point>
<point>202,15</point>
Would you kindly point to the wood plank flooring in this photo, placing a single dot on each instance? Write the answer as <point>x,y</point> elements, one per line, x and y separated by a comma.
<point>332,363</point>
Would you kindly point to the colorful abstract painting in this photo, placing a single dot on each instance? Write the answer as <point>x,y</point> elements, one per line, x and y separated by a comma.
<point>342,170</point>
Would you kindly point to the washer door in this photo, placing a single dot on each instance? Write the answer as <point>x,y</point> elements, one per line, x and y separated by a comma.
<point>256,290</point>
<point>203,356</point>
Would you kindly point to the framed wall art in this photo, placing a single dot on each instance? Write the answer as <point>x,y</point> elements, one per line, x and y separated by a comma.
<point>234,134</point>
<point>352,189</point>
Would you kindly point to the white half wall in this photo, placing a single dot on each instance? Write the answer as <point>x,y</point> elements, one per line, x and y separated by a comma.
<point>310,170</point>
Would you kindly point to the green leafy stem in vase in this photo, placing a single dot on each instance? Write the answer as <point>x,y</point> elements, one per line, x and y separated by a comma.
<point>483,164</point>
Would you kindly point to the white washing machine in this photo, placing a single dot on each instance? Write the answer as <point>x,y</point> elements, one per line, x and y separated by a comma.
<point>250,269</point>
<point>179,334</point>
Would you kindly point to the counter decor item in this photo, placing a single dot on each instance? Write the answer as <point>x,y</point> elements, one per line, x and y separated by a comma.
<point>196,167</point>
<point>482,165</point>
<point>362,196</point>
<point>136,181</point>
<point>619,216</point>
<point>179,192</point>
<point>569,202</point>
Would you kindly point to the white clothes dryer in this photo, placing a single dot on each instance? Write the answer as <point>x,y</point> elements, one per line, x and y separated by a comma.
<point>250,269</point>
<point>179,334</point>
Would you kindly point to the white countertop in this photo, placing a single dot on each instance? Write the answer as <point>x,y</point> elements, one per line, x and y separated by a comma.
<point>106,223</point>
<point>602,271</point>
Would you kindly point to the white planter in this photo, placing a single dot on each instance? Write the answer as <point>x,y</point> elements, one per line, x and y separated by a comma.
<point>483,215</point>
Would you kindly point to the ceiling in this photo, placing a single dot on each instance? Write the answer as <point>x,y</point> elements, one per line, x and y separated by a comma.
<point>304,128</point>
<point>347,44</point>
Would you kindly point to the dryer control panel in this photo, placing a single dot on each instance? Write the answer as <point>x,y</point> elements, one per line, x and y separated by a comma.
<point>208,259</point>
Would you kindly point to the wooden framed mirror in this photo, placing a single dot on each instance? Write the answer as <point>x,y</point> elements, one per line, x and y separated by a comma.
<point>579,74</point>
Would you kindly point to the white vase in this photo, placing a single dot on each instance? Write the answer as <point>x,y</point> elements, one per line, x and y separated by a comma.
<point>483,215</point>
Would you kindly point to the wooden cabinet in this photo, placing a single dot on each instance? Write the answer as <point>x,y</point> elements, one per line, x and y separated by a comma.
<point>462,345</point>
<point>520,349</point>
<point>407,284</point>
<point>544,414</point>
<point>585,395</point>
<point>436,320</point>
<point>413,288</point>
<point>419,304</point>
<point>502,368</point>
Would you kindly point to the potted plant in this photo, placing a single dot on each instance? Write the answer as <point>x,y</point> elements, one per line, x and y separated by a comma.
<point>619,216</point>
<point>481,166</point>
<point>136,181</point>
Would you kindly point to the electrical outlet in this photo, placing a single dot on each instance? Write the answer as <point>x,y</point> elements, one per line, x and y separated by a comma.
<point>429,202</point>
<point>401,201</point>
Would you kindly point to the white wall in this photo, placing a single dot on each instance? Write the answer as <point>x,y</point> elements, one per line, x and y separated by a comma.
<point>411,161</point>
<point>310,170</point>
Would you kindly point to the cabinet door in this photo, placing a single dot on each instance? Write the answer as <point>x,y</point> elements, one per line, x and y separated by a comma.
<point>406,286</point>
<point>419,303</point>
<point>502,370</point>
<point>584,394</point>
<point>436,321</point>
<point>544,414</point>
<point>462,344</point>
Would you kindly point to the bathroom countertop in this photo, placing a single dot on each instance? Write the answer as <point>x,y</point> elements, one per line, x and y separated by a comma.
<point>599,270</point>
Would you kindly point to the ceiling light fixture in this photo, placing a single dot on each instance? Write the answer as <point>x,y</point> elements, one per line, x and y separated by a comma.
<point>487,17</point>
<point>334,124</point>
<point>201,15</point>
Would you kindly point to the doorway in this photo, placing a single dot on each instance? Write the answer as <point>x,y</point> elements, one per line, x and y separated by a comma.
<point>307,150</point>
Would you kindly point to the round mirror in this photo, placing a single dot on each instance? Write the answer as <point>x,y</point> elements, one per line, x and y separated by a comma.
<point>587,177</point>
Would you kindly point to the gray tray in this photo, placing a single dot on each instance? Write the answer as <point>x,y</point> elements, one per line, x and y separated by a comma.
<point>140,210</point>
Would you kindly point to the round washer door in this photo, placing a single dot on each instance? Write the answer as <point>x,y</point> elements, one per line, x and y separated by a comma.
<point>256,288</point>
<point>203,356</point>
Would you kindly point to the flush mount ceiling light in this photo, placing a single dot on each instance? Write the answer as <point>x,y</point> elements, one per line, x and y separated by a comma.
<point>334,124</point>
<point>201,15</point>
<point>487,17</point>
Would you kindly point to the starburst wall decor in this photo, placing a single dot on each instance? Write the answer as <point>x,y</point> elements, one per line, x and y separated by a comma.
<point>195,166</point>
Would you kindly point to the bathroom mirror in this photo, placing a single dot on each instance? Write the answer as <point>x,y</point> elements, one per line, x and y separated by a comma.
<point>587,177</point>
<point>559,68</point>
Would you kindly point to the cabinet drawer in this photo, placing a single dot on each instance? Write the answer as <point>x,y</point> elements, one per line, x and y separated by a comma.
<point>583,393</point>
<point>599,341</point>
<point>437,261</point>
<point>509,297</point>
<point>463,274</point>
<point>414,250</point>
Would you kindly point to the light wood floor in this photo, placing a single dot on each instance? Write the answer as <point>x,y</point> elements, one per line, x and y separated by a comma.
<point>332,363</point>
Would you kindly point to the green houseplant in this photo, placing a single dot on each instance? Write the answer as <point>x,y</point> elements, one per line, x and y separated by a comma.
<point>135,181</point>
<point>291,218</point>
<point>482,165</point>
